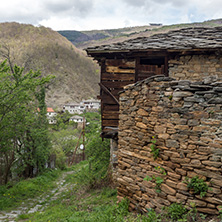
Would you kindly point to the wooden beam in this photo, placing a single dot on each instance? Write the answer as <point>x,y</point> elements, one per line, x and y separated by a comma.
<point>108,116</point>
<point>114,69</point>
<point>121,63</point>
<point>107,99</point>
<point>166,72</point>
<point>110,107</point>
<point>110,122</point>
<point>119,76</point>
<point>116,84</point>
<point>108,92</point>
<point>137,68</point>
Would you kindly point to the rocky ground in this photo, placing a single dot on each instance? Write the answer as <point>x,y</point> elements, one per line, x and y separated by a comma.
<point>39,203</point>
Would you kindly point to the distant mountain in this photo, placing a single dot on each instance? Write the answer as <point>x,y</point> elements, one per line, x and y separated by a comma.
<point>85,39</point>
<point>82,38</point>
<point>77,76</point>
<point>77,37</point>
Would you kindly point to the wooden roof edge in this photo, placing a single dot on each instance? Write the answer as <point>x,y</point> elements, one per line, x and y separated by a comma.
<point>104,53</point>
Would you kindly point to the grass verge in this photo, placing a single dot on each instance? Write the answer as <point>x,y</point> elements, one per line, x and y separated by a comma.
<point>12,196</point>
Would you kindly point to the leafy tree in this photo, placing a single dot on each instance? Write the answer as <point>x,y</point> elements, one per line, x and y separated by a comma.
<point>24,144</point>
<point>97,153</point>
<point>64,142</point>
<point>62,121</point>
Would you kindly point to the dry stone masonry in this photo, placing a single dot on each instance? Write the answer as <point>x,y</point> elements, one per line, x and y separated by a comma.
<point>196,67</point>
<point>185,120</point>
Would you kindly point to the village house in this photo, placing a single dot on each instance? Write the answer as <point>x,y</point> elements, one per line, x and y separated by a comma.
<point>190,53</point>
<point>76,119</point>
<point>51,114</point>
<point>83,106</point>
<point>164,90</point>
<point>79,120</point>
<point>91,104</point>
<point>74,108</point>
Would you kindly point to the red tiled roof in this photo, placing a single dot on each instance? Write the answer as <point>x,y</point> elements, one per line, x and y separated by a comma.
<point>50,110</point>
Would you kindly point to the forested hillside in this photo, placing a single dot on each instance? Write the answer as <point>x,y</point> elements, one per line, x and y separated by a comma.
<point>40,48</point>
<point>84,39</point>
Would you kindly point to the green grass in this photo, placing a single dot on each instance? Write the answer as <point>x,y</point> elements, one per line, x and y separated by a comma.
<point>12,196</point>
<point>78,203</point>
<point>81,205</point>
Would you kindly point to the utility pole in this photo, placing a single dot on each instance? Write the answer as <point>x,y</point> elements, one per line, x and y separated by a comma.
<point>83,137</point>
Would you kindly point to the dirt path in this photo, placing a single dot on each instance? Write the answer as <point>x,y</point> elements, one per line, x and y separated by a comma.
<point>38,203</point>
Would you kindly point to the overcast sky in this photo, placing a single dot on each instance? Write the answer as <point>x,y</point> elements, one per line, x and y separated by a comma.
<point>107,14</point>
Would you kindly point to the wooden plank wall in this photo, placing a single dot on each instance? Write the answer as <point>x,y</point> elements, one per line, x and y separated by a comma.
<point>115,74</point>
<point>145,71</point>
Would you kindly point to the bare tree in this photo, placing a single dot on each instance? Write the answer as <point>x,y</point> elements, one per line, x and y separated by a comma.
<point>6,53</point>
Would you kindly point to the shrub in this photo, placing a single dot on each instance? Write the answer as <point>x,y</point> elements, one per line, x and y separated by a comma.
<point>151,216</point>
<point>154,150</point>
<point>95,172</point>
<point>157,180</point>
<point>176,211</point>
<point>198,186</point>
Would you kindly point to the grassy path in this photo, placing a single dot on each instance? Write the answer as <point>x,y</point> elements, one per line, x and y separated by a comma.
<point>38,204</point>
<point>70,201</point>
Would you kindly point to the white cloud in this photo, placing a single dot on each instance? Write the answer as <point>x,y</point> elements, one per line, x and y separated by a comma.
<point>100,14</point>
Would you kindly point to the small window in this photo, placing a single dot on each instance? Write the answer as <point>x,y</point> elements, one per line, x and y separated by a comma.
<point>152,61</point>
<point>150,66</point>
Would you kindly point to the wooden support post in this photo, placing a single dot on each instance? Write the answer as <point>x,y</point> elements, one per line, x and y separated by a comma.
<point>74,154</point>
<point>83,136</point>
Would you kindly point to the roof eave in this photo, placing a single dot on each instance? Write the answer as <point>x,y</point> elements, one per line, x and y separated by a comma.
<point>101,53</point>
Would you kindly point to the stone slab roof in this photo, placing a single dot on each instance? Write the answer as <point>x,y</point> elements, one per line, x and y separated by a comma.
<point>183,39</point>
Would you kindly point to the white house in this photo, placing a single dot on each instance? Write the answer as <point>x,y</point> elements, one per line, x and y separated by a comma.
<point>76,119</point>
<point>91,104</point>
<point>51,114</point>
<point>74,108</point>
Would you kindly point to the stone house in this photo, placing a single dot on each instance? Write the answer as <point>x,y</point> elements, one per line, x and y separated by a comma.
<point>166,86</point>
<point>191,53</point>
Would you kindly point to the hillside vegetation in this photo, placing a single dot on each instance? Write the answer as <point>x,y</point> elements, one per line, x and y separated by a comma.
<point>85,39</point>
<point>40,48</point>
<point>77,76</point>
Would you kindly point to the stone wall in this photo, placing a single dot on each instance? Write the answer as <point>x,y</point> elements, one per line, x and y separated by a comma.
<point>185,118</point>
<point>195,67</point>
